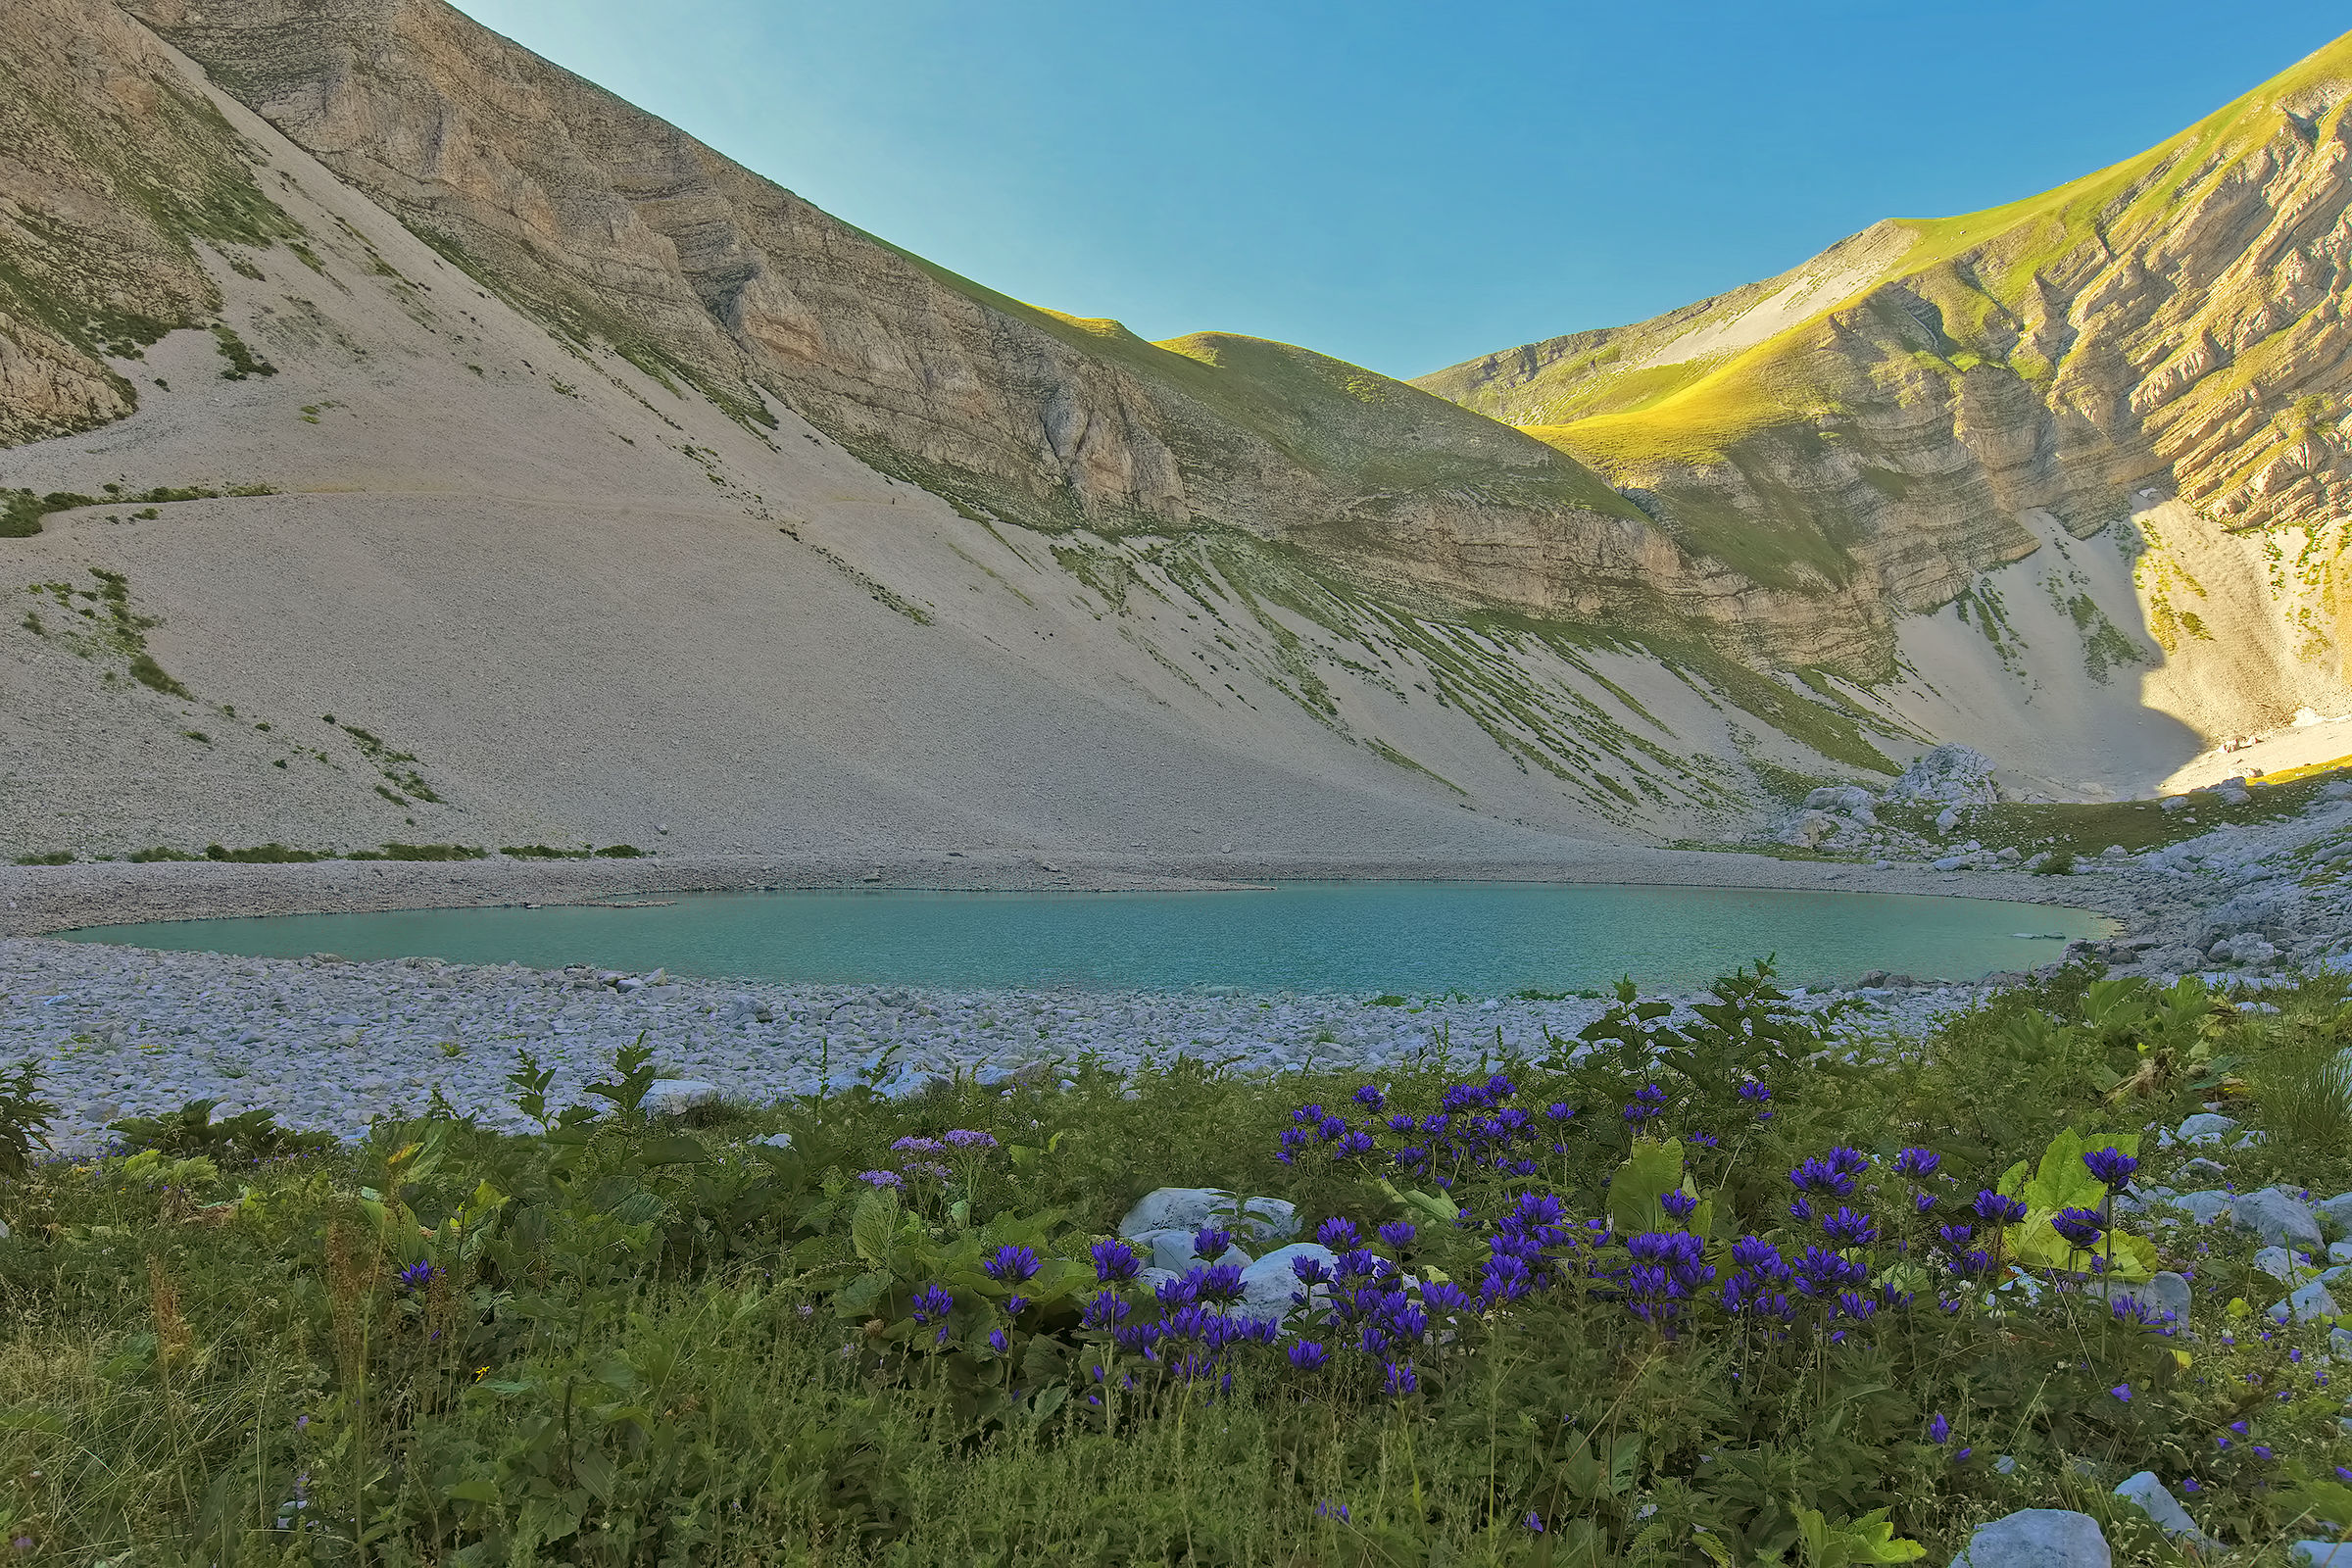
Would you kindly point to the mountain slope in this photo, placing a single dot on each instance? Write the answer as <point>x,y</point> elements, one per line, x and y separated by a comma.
<point>1896,410</point>
<point>354,361</point>
<point>558,580</point>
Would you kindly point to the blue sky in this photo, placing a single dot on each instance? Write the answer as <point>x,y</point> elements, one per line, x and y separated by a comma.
<point>1403,184</point>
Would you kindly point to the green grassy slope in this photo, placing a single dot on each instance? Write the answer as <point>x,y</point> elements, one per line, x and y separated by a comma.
<point>1356,426</point>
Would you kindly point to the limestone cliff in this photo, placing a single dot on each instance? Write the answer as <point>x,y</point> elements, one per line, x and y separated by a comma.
<point>112,172</point>
<point>619,228</point>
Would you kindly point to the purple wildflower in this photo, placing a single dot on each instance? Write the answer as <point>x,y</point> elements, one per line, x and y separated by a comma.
<point>1918,1163</point>
<point>1012,1264</point>
<point>2112,1167</point>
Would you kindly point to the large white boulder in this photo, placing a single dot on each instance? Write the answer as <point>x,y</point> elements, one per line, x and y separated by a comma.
<point>2038,1538</point>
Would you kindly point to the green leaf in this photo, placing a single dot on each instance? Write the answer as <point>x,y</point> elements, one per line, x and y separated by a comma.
<point>873,1223</point>
<point>1652,1170</point>
<point>1049,1402</point>
<point>673,1150</point>
<point>475,1490</point>
<point>861,1293</point>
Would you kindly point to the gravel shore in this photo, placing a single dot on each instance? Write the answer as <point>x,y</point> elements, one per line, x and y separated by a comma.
<point>329,1045</point>
<point>326,1044</point>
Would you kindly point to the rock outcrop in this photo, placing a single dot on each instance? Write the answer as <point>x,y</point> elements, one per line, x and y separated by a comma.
<point>111,174</point>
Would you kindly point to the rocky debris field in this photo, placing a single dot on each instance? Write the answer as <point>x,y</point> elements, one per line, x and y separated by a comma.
<point>2259,893</point>
<point>328,1045</point>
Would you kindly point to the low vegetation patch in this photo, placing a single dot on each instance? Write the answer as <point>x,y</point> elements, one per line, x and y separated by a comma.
<point>259,854</point>
<point>21,511</point>
<point>2087,830</point>
<point>423,852</point>
<point>1733,1292</point>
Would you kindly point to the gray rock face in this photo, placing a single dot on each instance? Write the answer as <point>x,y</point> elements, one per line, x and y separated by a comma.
<point>2165,1292</point>
<point>2334,1215</point>
<point>2204,1208</point>
<point>2322,1553</point>
<point>2278,1217</point>
<point>672,1096</point>
<point>1810,830</point>
<point>2275,1262</point>
<point>1269,1218</point>
<point>2206,1127</point>
<point>2244,947</point>
<point>1269,1283</point>
<point>1957,775</point>
<point>2038,1538</point>
<point>2159,1504</point>
<point>1846,800</point>
<point>1174,1209</point>
<point>2305,1304</point>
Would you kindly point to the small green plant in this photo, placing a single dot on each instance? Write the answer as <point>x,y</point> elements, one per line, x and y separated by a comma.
<point>191,1132</point>
<point>152,675</point>
<point>25,1119</point>
<point>161,852</point>
<point>2303,1093</point>
<point>262,854</point>
<point>622,851</point>
<point>2060,863</point>
<point>242,361</point>
<point>52,858</point>
<point>433,851</point>
<point>542,852</point>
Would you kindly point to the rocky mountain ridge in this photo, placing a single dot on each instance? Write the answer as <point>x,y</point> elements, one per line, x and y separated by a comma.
<point>2169,329</point>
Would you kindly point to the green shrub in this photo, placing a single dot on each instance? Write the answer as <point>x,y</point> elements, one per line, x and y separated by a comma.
<point>24,1117</point>
<point>542,852</point>
<point>242,361</point>
<point>622,851</point>
<point>193,1132</point>
<point>161,853</point>
<point>52,858</point>
<point>433,851</point>
<point>2060,863</point>
<point>263,855</point>
<point>152,675</point>
<point>2302,1085</point>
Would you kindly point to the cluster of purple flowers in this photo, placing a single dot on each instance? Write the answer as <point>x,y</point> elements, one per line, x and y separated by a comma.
<point>1312,1126</point>
<point>1527,1238</point>
<point>1758,1288</point>
<point>921,1157</point>
<point>1473,1127</point>
<point>1366,1301</point>
<point>1668,1267</point>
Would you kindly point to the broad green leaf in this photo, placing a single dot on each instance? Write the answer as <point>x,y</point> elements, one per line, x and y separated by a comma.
<point>875,1222</point>
<point>1653,1170</point>
<point>861,1293</point>
<point>474,1490</point>
<point>673,1150</point>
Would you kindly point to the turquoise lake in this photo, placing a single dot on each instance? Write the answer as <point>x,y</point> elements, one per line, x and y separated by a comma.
<point>1425,938</point>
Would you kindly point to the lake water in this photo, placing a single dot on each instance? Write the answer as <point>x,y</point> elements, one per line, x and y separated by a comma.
<point>1426,938</point>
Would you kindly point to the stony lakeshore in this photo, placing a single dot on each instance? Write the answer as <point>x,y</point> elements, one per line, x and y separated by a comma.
<point>328,1045</point>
